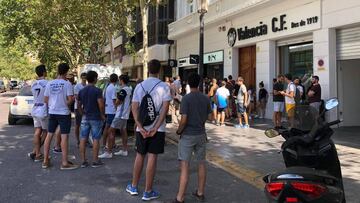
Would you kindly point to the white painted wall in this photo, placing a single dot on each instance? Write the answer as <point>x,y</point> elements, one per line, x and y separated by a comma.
<point>349,84</point>
<point>265,70</point>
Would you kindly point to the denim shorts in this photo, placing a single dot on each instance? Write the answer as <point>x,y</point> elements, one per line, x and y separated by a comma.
<point>93,126</point>
<point>63,120</point>
<point>109,119</point>
<point>241,108</point>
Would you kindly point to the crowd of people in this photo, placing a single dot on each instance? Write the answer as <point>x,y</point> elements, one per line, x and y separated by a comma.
<point>100,113</point>
<point>230,99</point>
<point>289,92</point>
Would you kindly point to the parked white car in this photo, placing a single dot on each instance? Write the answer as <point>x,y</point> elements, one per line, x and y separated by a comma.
<point>2,86</point>
<point>21,106</point>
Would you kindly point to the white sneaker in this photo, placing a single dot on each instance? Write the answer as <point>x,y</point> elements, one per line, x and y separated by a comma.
<point>121,153</point>
<point>106,155</point>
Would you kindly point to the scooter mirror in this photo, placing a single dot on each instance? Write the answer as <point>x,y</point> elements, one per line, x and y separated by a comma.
<point>270,133</point>
<point>331,103</point>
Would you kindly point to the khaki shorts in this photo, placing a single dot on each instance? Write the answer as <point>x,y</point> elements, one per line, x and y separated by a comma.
<point>119,123</point>
<point>192,144</point>
<point>41,122</point>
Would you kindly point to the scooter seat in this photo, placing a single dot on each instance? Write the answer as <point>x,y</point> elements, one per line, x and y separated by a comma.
<point>303,174</point>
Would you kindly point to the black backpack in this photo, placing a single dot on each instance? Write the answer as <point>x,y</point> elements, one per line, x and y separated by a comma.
<point>297,97</point>
<point>147,111</point>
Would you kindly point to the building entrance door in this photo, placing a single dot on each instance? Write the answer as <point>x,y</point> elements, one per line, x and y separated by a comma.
<point>247,65</point>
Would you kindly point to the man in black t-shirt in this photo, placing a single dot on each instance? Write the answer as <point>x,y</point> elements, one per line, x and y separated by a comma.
<point>314,93</point>
<point>278,100</point>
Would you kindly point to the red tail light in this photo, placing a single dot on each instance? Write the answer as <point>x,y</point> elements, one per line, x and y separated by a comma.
<point>310,189</point>
<point>292,200</point>
<point>15,102</point>
<point>274,188</point>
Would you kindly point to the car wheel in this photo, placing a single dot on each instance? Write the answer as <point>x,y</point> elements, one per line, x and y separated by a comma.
<point>11,120</point>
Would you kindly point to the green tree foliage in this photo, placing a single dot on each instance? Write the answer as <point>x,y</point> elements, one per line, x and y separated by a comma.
<point>63,30</point>
<point>14,64</point>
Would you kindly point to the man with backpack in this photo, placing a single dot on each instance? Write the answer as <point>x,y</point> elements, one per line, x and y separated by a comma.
<point>110,110</point>
<point>289,95</point>
<point>123,103</point>
<point>150,105</point>
<point>299,94</point>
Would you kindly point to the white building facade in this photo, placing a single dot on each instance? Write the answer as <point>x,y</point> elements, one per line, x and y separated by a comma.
<point>259,39</point>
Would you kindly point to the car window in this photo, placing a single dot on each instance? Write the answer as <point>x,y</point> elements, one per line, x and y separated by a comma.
<point>25,91</point>
<point>1,82</point>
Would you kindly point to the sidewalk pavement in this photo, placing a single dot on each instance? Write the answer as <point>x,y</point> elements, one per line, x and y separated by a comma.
<point>249,154</point>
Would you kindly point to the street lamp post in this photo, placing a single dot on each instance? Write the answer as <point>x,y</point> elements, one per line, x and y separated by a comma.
<point>203,8</point>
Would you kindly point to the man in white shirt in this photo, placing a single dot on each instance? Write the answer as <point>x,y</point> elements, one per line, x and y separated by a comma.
<point>39,112</point>
<point>123,103</point>
<point>78,116</point>
<point>150,139</point>
<point>110,109</point>
<point>177,84</point>
<point>59,97</point>
<point>289,95</point>
<point>222,100</point>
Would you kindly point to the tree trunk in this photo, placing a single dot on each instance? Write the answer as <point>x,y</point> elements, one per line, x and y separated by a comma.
<point>111,48</point>
<point>144,18</point>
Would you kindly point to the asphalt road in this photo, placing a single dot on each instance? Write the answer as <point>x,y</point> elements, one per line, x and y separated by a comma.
<point>22,180</point>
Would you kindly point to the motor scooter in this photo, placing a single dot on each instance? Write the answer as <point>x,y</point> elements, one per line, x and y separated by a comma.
<point>313,171</point>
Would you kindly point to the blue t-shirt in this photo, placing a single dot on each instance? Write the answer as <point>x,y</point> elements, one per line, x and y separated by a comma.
<point>222,95</point>
<point>88,97</point>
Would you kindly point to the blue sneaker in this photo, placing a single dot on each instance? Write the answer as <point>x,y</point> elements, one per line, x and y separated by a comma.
<point>150,195</point>
<point>132,190</point>
<point>238,126</point>
<point>246,127</point>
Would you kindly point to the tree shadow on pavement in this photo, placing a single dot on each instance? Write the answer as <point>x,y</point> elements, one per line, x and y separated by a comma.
<point>25,181</point>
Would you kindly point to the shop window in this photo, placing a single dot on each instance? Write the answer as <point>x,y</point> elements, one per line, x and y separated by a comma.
<point>297,59</point>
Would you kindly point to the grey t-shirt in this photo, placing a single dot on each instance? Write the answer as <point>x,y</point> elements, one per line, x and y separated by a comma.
<point>196,106</point>
<point>241,95</point>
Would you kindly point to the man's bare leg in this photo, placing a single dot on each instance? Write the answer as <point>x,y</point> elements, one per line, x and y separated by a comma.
<point>138,166</point>
<point>105,135</point>
<point>37,141</point>
<point>58,138</point>
<point>96,147</point>
<point>83,149</point>
<point>77,134</point>
<point>150,171</point>
<point>124,137</point>
<point>111,140</point>
<point>184,177</point>
<point>246,118</point>
<point>240,119</point>
<point>64,148</point>
<point>222,117</point>
<point>47,147</point>
<point>201,178</point>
